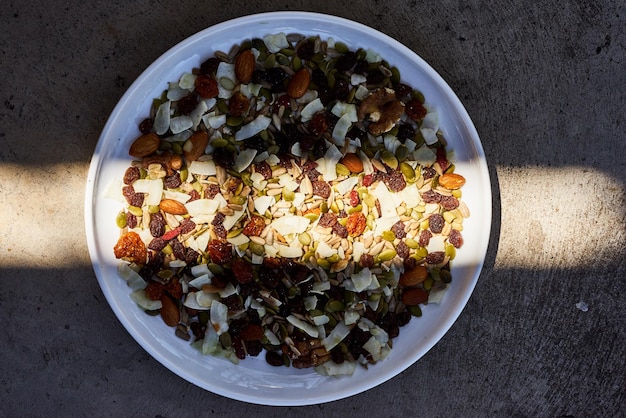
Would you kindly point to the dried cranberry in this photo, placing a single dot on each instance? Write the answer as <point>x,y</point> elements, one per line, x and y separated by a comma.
<point>442,158</point>
<point>368,179</point>
<point>131,175</point>
<point>255,226</point>
<point>436,223</point>
<point>238,104</point>
<point>415,110</point>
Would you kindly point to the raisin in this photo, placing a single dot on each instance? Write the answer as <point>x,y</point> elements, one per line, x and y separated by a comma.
<point>255,226</point>
<point>327,220</point>
<point>193,195</point>
<point>238,104</point>
<point>224,157</point>
<point>254,348</point>
<point>455,238</point>
<point>394,180</point>
<point>218,219</point>
<point>341,90</point>
<point>133,199</point>
<point>449,202</point>
<point>264,169</point>
<point>130,247</point>
<point>206,87</point>
<point>191,256</point>
<point>255,142</point>
<point>375,77</point>
<point>242,270</point>
<point>283,101</point>
<point>187,104</point>
<point>275,75</point>
<point>318,124</point>
<point>436,223</point>
<point>326,95</point>
<point>173,181</point>
<point>429,173</point>
<point>209,67</point>
<point>431,196</point>
<point>157,244</point>
<point>131,220</point>
<point>402,90</point>
<point>405,131</point>
<point>346,62</point>
<point>425,237</point>
<point>268,277</point>
<point>220,252</point>
<point>415,110</point>
<point>435,257</point>
<point>154,290</point>
<point>174,288</point>
<point>131,175</point>
<point>157,224</point>
<point>398,229</point>
<point>274,358</point>
<point>340,230</point>
<point>240,350</point>
<point>321,188</point>
<point>197,330</point>
<point>356,224</point>
<point>442,158</point>
<point>402,250</point>
<point>186,226</point>
<point>178,249</point>
<point>145,127</point>
<point>211,191</point>
<point>306,50</point>
<point>220,231</point>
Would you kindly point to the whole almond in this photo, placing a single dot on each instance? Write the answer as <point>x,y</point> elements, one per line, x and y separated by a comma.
<point>414,276</point>
<point>144,145</point>
<point>194,146</point>
<point>451,181</point>
<point>299,84</point>
<point>169,311</point>
<point>244,66</point>
<point>172,206</point>
<point>352,162</point>
<point>414,296</point>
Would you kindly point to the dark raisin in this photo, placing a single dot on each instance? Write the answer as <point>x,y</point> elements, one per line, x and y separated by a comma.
<point>220,231</point>
<point>218,218</point>
<point>337,356</point>
<point>264,169</point>
<point>435,257</point>
<point>254,348</point>
<point>319,78</point>
<point>238,104</point>
<point>326,94</point>
<point>415,110</point>
<point>318,124</point>
<point>193,195</point>
<point>186,226</point>
<point>242,270</point>
<point>455,238</point>
<point>211,191</point>
<point>340,230</point>
<point>197,330</point>
<point>341,90</point>
<point>191,257</point>
<point>306,50</point>
<point>157,224</point>
<point>375,77</point>
<point>220,252</point>
<point>346,62</point>
<point>274,358</point>
<point>402,250</point>
<point>405,131</point>
<point>240,350</point>
<point>321,189</point>
<point>402,90</point>
<point>224,158</point>
<point>404,318</point>
<point>428,173</point>
<point>425,237</point>
<point>366,260</point>
<point>398,229</point>
<point>133,199</point>
<point>268,277</point>
<point>145,127</point>
<point>436,223</point>
<point>327,220</point>
<point>275,75</point>
<point>395,180</point>
<point>187,104</point>
<point>131,175</point>
<point>178,249</point>
<point>449,202</point>
<point>173,181</point>
<point>131,220</point>
<point>431,196</point>
<point>255,142</point>
<point>209,66</point>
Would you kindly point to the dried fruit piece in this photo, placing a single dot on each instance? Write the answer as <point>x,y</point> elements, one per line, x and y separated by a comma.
<point>356,224</point>
<point>352,162</point>
<point>169,311</point>
<point>414,296</point>
<point>206,87</point>
<point>144,145</point>
<point>451,181</point>
<point>245,66</point>
<point>238,104</point>
<point>194,146</point>
<point>299,84</point>
<point>131,248</point>
<point>172,206</point>
<point>414,276</point>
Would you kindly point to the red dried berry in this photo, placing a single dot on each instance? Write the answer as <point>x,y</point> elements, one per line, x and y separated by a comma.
<point>354,198</point>
<point>219,251</point>
<point>415,110</point>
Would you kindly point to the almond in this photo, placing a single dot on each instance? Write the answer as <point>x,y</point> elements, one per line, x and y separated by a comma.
<point>414,276</point>
<point>169,311</point>
<point>451,181</point>
<point>194,146</point>
<point>172,206</point>
<point>299,84</point>
<point>244,66</point>
<point>352,162</point>
<point>144,145</point>
<point>414,296</point>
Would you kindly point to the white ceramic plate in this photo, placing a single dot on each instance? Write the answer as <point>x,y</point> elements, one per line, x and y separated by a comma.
<point>253,380</point>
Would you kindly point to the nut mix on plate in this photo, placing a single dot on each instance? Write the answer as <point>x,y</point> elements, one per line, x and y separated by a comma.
<point>291,197</point>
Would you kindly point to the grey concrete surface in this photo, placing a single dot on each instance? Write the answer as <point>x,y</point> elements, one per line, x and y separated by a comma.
<point>545,83</point>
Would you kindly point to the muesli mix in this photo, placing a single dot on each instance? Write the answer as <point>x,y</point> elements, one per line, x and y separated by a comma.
<point>291,198</point>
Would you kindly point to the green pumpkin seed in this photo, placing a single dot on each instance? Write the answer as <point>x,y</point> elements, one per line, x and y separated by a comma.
<point>342,170</point>
<point>135,210</point>
<point>227,83</point>
<point>334,305</point>
<point>215,268</point>
<point>256,248</point>
<point>388,236</point>
<point>407,171</point>
<point>120,220</point>
<point>304,238</point>
<point>414,310</point>
<point>411,243</point>
<point>386,255</point>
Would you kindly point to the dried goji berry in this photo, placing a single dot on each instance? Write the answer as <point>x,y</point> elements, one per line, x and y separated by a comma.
<point>171,234</point>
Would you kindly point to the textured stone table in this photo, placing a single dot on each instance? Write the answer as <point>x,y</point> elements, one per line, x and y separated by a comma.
<point>544,332</point>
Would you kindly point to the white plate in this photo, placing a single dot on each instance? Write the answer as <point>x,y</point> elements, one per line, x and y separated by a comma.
<point>253,380</point>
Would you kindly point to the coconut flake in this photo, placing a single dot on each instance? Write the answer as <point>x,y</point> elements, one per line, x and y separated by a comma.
<point>162,118</point>
<point>311,109</point>
<point>243,159</point>
<point>276,42</point>
<point>256,126</point>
